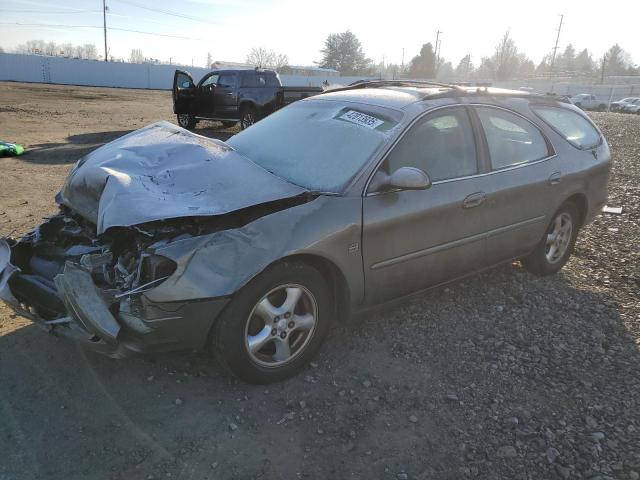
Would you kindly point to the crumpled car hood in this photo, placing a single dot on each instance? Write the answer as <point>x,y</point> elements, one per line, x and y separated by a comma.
<point>163,171</point>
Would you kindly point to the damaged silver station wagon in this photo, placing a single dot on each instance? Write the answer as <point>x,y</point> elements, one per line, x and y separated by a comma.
<point>169,240</point>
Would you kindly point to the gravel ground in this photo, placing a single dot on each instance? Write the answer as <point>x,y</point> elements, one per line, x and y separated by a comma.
<point>501,376</point>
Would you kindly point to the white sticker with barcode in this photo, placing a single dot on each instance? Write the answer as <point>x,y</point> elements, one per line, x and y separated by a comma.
<point>361,119</point>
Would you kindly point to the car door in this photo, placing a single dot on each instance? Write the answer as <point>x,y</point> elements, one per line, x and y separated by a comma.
<point>523,185</point>
<point>414,239</point>
<point>183,92</point>
<point>206,106</point>
<point>225,96</point>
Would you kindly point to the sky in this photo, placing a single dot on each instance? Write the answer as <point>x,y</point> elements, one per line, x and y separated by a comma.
<point>230,28</point>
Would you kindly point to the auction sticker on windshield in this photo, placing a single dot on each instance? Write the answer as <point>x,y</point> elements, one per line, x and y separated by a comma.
<point>361,119</point>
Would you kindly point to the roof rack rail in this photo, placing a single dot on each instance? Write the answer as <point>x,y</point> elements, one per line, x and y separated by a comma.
<point>393,83</point>
<point>484,91</point>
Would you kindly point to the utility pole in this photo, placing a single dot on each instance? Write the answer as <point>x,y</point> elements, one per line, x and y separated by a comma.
<point>555,48</point>
<point>604,62</point>
<point>402,64</point>
<point>436,46</point>
<point>104,20</point>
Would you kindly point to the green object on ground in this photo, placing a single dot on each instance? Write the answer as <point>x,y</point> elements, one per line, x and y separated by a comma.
<point>10,149</point>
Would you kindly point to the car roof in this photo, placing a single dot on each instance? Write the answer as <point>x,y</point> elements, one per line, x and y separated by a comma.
<point>399,94</point>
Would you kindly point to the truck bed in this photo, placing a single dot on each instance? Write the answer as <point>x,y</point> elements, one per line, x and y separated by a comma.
<point>292,94</point>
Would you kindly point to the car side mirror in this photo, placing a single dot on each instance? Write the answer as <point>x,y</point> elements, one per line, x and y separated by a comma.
<point>186,84</point>
<point>409,178</point>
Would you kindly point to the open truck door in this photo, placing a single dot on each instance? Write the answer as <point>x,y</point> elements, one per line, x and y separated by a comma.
<point>184,91</point>
<point>184,99</point>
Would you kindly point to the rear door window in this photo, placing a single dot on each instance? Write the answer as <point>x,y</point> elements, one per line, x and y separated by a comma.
<point>512,140</point>
<point>573,127</point>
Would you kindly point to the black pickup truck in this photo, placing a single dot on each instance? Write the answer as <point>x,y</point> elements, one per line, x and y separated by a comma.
<point>230,96</point>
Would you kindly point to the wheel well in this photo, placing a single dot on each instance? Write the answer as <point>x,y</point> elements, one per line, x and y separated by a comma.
<point>580,201</point>
<point>335,280</point>
<point>246,105</point>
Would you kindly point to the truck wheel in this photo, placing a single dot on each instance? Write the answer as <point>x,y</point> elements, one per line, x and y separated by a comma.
<point>248,117</point>
<point>578,104</point>
<point>228,124</point>
<point>275,324</point>
<point>557,244</point>
<point>602,107</point>
<point>186,120</point>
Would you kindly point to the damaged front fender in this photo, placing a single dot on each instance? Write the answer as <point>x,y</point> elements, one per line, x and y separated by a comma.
<point>218,264</point>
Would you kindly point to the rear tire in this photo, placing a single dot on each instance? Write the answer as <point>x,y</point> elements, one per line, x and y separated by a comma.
<point>275,324</point>
<point>248,116</point>
<point>602,107</point>
<point>556,246</point>
<point>186,120</point>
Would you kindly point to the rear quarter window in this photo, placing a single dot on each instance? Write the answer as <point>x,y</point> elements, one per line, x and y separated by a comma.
<point>572,126</point>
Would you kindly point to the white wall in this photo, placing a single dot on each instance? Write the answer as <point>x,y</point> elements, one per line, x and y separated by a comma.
<point>69,71</point>
<point>602,92</point>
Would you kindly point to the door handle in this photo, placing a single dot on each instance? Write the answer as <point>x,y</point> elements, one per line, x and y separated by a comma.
<point>555,178</point>
<point>474,200</point>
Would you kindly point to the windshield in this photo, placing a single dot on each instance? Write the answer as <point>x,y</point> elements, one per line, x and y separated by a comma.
<point>319,145</point>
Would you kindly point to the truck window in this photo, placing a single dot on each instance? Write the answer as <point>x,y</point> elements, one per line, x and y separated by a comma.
<point>211,80</point>
<point>226,80</point>
<point>248,79</point>
<point>272,80</point>
<point>261,80</point>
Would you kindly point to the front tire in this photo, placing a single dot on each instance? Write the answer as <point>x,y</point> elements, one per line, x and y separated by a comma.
<point>275,324</point>
<point>186,120</point>
<point>557,244</point>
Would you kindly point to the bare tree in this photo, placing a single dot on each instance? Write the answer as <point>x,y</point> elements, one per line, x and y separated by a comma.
<point>66,50</point>
<point>90,51</point>
<point>465,68</point>
<point>505,60</point>
<point>280,60</point>
<point>136,56</point>
<point>51,49</point>
<point>260,57</point>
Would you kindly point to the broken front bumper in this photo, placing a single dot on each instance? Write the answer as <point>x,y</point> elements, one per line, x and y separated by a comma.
<point>132,324</point>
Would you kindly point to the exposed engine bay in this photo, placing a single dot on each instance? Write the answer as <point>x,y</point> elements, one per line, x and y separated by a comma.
<point>122,261</point>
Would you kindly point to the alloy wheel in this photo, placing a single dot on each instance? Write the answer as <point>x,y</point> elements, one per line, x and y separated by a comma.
<point>280,325</point>
<point>248,119</point>
<point>184,119</point>
<point>559,238</point>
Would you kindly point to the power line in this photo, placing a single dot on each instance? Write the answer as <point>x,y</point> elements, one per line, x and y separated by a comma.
<point>166,12</point>
<point>71,9</point>
<point>66,12</point>
<point>109,14</point>
<point>99,26</point>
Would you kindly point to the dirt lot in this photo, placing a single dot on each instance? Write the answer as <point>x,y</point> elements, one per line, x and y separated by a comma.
<point>502,376</point>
